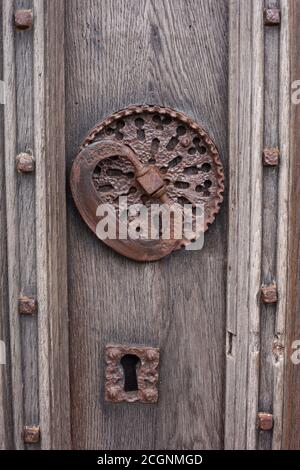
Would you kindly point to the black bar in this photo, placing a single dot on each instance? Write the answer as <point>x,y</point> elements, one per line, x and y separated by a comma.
<point>139,459</point>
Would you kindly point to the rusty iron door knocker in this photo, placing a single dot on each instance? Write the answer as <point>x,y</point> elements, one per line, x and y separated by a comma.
<point>148,154</point>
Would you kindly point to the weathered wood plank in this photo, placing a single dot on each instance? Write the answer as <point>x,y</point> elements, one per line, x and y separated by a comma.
<point>291,388</point>
<point>269,216</point>
<point>13,254</point>
<point>285,185</point>
<point>245,230</point>
<point>26,220</point>
<point>119,53</point>
<point>6,429</point>
<point>49,150</point>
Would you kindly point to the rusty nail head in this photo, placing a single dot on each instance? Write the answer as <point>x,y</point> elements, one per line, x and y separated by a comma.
<point>25,163</point>
<point>264,421</point>
<point>271,156</point>
<point>271,16</point>
<point>23,19</point>
<point>269,293</point>
<point>28,305</point>
<point>31,434</point>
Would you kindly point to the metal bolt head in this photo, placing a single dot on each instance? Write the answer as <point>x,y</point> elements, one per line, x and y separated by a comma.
<point>271,156</point>
<point>264,421</point>
<point>25,163</point>
<point>27,305</point>
<point>23,19</point>
<point>271,16</point>
<point>31,434</point>
<point>269,293</point>
<point>151,181</point>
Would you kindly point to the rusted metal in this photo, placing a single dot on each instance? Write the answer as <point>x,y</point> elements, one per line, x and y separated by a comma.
<point>147,153</point>
<point>151,181</point>
<point>147,374</point>
<point>269,293</point>
<point>264,421</point>
<point>25,163</point>
<point>31,434</point>
<point>271,156</point>
<point>23,19</point>
<point>27,305</point>
<point>272,16</point>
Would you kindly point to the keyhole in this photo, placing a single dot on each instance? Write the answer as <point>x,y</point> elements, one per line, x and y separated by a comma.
<point>129,363</point>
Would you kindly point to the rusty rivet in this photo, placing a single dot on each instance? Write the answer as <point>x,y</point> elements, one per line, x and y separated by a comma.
<point>271,156</point>
<point>186,142</point>
<point>31,434</point>
<point>150,395</point>
<point>23,19</point>
<point>25,163</point>
<point>272,16</point>
<point>28,305</point>
<point>113,353</point>
<point>269,293</point>
<point>112,392</point>
<point>264,421</point>
<point>152,355</point>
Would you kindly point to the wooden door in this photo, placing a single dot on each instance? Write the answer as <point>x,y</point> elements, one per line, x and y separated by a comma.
<point>228,375</point>
<point>172,54</point>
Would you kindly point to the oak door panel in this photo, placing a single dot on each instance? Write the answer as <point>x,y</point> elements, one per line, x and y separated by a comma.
<point>173,53</point>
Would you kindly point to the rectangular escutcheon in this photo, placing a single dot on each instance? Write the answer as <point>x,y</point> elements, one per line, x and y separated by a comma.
<point>131,373</point>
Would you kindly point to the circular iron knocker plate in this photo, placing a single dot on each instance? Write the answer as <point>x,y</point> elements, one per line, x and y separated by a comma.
<point>147,153</point>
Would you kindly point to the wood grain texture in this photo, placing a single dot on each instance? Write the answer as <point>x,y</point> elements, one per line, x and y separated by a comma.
<point>13,252</point>
<point>245,229</point>
<point>269,222</point>
<point>6,428</point>
<point>291,390</point>
<point>26,220</point>
<point>49,152</point>
<point>172,53</point>
<point>284,227</point>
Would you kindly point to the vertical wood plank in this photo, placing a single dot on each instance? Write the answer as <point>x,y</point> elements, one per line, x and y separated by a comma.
<point>6,428</point>
<point>269,219</point>
<point>170,53</point>
<point>51,223</point>
<point>291,382</point>
<point>245,231</point>
<point>26,220</point>
<point>285,197</point>
<point>10,136</point>
<point>255,251</point>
